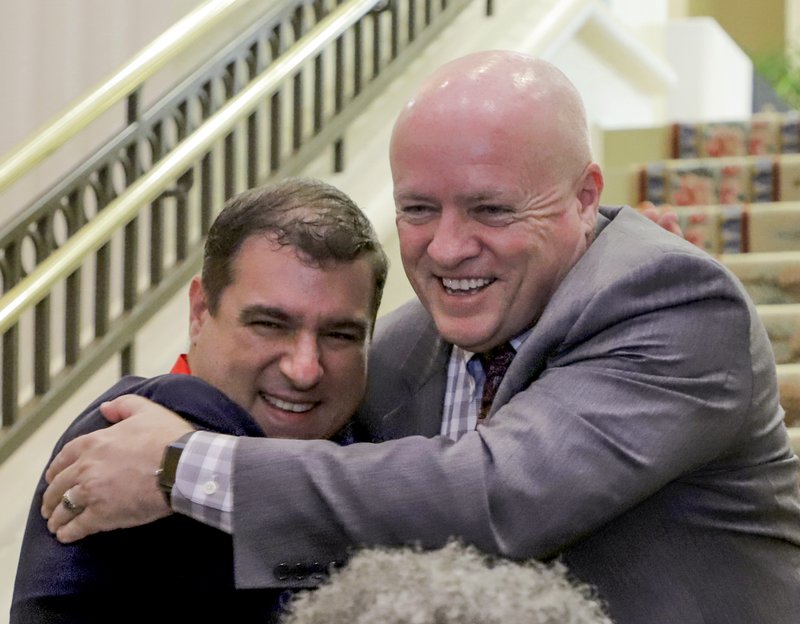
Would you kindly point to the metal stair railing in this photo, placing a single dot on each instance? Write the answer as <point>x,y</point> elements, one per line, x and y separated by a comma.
<point>86,266</point>
<point>124,83</point>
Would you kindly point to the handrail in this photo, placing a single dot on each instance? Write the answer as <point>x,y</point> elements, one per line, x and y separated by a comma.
<point>163,49</point>
<point>61,263</point>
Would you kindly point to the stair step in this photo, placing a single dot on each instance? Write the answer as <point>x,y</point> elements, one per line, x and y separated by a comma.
<point>789,388</point>
<point>764,133</point>
<point>769,278</point>
<point>794,439</point>
<point>783,326</point>
<point>740,228</point>
<point>730,180</point>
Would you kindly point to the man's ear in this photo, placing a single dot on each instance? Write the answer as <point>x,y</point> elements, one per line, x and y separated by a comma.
<point>589,189</point>
<point>198,306</point>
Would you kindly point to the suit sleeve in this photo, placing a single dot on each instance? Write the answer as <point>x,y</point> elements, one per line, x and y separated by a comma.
<point>651,379</point>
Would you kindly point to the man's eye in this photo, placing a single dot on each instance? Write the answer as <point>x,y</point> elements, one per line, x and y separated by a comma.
<point>491,209</point>
<point>344,338</point>
<point>492,213</point>
<point>416,211</point>
<point>265,324</point>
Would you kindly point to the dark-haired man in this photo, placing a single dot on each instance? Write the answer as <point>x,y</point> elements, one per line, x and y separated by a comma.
<point>280,324</point>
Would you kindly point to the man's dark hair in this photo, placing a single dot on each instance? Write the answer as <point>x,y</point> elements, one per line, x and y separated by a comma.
<point>318,220</point>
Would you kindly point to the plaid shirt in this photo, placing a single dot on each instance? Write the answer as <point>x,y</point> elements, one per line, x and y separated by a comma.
<point>465,379</point>
<point>202,487</point>
<point>462,398</point>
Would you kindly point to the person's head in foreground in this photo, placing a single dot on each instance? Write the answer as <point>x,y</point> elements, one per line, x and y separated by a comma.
<point>496,193</point>
<point>282,314</point>
<point>453,585</point>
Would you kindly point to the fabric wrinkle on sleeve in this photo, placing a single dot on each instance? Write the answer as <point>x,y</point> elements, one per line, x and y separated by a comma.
<point>203,481</point>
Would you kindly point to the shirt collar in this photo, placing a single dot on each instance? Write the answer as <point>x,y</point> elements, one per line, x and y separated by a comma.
<point>465,356</point>
<point>181,366</point>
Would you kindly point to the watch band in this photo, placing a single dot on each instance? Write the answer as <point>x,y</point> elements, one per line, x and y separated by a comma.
<point>165,475</point>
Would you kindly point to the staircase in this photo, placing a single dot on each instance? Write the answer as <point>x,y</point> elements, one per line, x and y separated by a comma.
<point>736,189</point>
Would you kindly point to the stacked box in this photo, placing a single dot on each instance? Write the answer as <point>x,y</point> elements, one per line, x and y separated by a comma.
<point>773,227</point>
<point>712,181</point>
<point>788,178</point>
<point>763,183</point>
<point>715,229</point>
<point>654,184</point>
<point>700,225</point>
<point>741,228</point>
<point>794,439</point>
<point>783,327</point>
<point>723,139</point>
<point>692,184</point>
<point>790,134</point>
<point>789,389</point>
<point>763,134</point>
<point>685,141</point>
<point>769,278</point>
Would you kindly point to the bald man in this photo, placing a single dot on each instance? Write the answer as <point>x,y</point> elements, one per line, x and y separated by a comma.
<point>637,434</point>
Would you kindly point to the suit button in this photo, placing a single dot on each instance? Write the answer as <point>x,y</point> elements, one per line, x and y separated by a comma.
<point>282,571</point>
<point>317,571</point>
<point>300,572</point>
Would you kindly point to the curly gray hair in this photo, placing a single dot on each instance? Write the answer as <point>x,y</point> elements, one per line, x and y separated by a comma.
<point>456,584</point>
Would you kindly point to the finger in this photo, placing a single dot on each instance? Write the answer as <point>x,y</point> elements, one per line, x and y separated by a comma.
<point>65,458</point>
<point>77,528</point>
<point>123,407</point>
<point>669,221</point>
<point>61,515</point>
<point>69,504</point>
<point>651,213</point>
<point>58,484</point>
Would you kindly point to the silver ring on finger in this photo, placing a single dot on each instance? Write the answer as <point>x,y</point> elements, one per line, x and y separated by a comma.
<point>69,505</point>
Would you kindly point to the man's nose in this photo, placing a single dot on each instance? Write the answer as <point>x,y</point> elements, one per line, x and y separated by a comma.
<point>453,239</point>
<point>301,362</point>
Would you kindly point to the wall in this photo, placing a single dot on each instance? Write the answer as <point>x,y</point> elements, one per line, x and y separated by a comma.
<point>738,18</point>
<point>54,53</point>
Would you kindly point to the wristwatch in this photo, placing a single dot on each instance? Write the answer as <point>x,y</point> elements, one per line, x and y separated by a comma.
<point>169,466</point>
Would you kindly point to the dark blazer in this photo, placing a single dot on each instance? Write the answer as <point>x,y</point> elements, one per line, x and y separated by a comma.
<point>173,570</point>
<point>638,435</point>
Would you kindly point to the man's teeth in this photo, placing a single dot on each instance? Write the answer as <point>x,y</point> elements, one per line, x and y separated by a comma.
<point>286,405</point>
<point>465,284</point>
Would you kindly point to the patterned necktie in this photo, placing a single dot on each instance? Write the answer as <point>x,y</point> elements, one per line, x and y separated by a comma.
<point>495,364</point>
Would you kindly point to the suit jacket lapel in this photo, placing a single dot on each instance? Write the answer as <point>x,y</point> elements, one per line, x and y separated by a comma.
<point>423,368</point>
<point>551,328</point>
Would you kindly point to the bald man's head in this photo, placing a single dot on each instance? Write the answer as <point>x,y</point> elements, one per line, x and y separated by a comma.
<point>504,91</point>
<point>495,192</point>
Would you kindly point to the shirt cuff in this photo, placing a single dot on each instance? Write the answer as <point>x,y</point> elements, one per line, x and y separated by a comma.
<point>203,481</point>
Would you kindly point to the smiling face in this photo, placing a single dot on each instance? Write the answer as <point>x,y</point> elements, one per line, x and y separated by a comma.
<point>288,341</point>
<point>494,204</point>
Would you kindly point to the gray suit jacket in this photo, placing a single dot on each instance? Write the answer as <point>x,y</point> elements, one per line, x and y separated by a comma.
<point>637,435</point>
